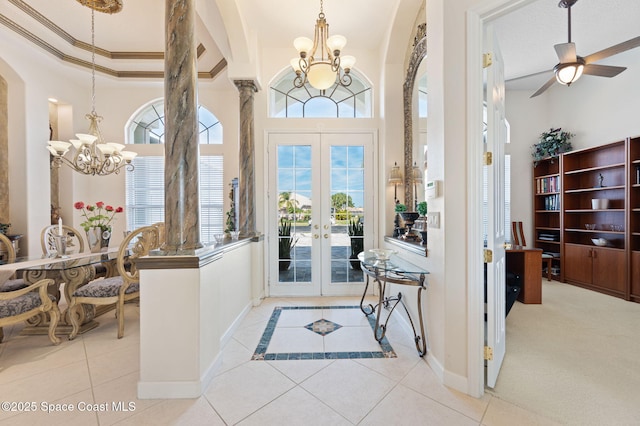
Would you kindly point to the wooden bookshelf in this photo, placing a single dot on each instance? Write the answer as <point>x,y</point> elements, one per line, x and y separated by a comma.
<point>547,195</point>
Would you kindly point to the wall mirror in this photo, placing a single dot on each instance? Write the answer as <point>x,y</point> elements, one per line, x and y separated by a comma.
<point>414,146</point>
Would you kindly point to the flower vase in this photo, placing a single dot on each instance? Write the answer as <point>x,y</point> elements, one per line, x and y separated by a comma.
<point>98,239</point>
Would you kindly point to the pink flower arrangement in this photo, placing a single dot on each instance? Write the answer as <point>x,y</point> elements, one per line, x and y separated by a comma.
<point>98,215</point>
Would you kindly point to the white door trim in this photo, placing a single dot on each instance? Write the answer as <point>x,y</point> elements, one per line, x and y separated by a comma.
<point>477,17</point>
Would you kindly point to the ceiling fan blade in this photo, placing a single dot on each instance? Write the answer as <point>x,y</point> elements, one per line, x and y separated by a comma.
<point>613,50</point>
<point>602,70</point>
<point>566,52</point>
<point>544,87</point>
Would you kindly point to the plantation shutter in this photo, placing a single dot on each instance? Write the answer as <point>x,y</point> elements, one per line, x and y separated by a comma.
<point>145,194</point>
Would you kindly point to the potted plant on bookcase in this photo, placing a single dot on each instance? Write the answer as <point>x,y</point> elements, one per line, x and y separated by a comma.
<point>551,144</point>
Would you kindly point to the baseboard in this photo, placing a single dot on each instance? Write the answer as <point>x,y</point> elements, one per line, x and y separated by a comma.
<point>226,336</point>
<point>181,389</point>
<point>456,381</point>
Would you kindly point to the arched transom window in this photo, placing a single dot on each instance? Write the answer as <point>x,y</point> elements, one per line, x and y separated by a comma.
<point>288,101</point>
<point>147,127</point>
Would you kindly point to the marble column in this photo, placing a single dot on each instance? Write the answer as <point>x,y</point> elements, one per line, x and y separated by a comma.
<point>247,185</point>
<point>4,151</point>
<point>182,205</point>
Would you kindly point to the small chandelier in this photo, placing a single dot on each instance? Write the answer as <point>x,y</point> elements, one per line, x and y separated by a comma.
<point>92,156</point>
<point>320,62</point>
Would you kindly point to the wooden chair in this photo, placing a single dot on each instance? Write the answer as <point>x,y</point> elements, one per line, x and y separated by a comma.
<point>12,283</point>
<point>20,305</point>
<point>75,242</point>
<point>120,288</point>
<point>517,233</point>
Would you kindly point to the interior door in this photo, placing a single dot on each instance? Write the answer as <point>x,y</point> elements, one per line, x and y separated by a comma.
<point>494,143</point>
<point>320,191</point>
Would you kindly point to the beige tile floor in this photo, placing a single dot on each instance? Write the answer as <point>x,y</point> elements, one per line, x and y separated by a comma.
<point>97,370</point>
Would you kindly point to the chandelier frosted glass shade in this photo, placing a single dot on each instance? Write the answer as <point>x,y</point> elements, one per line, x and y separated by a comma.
<point>319,62</point>
<point>321,75</point>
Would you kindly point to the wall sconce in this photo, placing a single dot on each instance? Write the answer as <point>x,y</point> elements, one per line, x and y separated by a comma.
<point>416,178</point>
<point>395,179</point>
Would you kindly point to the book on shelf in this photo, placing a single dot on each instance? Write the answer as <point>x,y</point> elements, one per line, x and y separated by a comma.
<point>547,184</point>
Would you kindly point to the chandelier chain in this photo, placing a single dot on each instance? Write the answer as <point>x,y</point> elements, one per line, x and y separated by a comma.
<point>93,63</point>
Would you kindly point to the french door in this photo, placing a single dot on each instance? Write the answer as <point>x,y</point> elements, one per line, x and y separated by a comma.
<point>320,204</point>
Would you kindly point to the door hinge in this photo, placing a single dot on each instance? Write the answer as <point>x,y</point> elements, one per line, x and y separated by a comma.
<point>487,158</point>
<point>487,60</point>
<point>487,256</point>
<point>488,353</point>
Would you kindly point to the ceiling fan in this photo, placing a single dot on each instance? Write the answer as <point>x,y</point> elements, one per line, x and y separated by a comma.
<point>572,66</point>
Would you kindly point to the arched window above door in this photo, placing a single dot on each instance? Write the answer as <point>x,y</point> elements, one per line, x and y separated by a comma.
<point>288,101</point>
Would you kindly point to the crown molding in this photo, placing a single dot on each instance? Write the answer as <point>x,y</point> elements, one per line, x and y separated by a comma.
<point>42,20</point>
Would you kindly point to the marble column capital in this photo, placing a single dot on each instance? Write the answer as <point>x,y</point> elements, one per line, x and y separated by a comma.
<point>246,84</point>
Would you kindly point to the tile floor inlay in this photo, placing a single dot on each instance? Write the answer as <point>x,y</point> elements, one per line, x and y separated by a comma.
<point>322,327</point>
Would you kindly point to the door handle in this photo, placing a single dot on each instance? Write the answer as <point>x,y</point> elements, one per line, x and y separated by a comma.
<point>326,235</point>
<point>316,226</point>
<point>316,236</point>
<point>326,227</point>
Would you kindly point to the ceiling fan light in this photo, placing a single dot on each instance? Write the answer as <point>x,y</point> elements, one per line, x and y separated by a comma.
<point>569,73</point>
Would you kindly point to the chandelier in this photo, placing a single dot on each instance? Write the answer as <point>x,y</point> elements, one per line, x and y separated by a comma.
<point>320,62</point>
<point>91,155</point>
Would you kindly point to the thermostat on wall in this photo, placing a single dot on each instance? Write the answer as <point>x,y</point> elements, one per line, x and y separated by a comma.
<point>431,189</point>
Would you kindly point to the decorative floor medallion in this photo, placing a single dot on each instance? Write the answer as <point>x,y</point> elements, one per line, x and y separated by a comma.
<point>322,327</point>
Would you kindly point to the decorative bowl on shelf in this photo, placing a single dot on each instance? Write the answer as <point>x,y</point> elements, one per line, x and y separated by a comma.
<point>600,242</point>
<point>590,226</point>
<point>383,254</point>
<point>599,203</point>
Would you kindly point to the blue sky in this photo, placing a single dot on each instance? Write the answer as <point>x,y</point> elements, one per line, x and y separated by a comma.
<point>347,170</point>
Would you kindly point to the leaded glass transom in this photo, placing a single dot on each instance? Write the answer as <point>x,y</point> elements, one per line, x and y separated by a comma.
<point>288,101</point>
<point>148,126</point>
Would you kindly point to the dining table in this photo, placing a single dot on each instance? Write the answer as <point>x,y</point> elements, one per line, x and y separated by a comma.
<point>68,273</point>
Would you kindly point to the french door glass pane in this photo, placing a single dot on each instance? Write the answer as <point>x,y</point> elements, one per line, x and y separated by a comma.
<point>347,212</point>
<point>294,213</point>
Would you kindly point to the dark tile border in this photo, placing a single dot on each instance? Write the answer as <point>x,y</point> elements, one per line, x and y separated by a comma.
<point>261,353</point>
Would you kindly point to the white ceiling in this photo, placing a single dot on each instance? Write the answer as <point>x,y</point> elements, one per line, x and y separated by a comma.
<point>526,36</point>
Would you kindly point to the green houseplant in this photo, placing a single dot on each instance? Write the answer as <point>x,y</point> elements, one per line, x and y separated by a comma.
<point>422,208</point>
<point>398,230</point>
<point>285,243</point>
<point>4,227</point>
<point>356,234</point>
<point>551,144</point>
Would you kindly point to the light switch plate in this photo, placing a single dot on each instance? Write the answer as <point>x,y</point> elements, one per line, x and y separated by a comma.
<point>433,219</point>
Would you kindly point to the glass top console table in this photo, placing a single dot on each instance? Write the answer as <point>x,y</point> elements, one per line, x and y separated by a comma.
<point>385,267</point>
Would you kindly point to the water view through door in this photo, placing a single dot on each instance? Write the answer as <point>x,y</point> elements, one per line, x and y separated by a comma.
<point>322,186</point>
